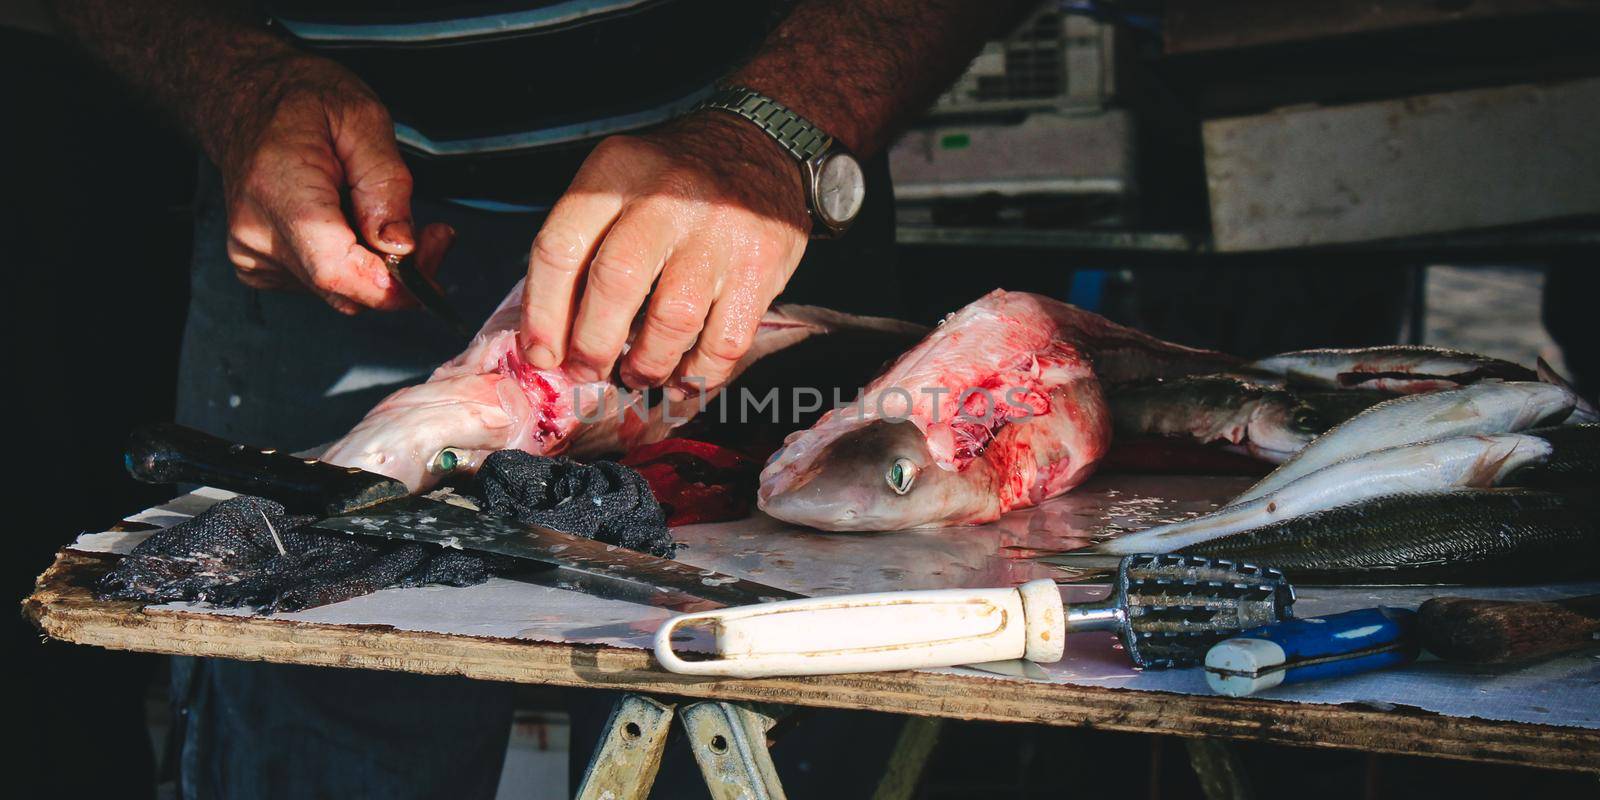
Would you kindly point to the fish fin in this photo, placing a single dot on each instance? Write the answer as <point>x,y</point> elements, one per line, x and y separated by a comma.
<point>1582,410</point>
<point>1487,469</point>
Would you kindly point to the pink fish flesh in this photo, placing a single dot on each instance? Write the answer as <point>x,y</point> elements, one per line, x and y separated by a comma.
<point>999,407</point>
<point>489,399</point>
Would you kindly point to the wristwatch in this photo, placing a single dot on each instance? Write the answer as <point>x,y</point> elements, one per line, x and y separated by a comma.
<point>835,185</point>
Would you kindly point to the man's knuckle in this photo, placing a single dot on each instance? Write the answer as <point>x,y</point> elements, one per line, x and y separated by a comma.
<point>678,316</point>
<point>371,109</point>
<point>387,176</point>
<point>713,372</point>
<point>653,368</point>
<point>591,346</point>
<point>616,276</point>
<point>559,248</point>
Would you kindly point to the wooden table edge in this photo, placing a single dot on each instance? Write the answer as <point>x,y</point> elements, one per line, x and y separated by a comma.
<point>63,607</point>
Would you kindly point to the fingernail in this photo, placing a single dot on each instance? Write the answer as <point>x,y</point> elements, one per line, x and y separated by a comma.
<point>582,373</point>
<point>541,357</point>
<point>397,233</point>
<point>380,279</point>
<point>676,395</point>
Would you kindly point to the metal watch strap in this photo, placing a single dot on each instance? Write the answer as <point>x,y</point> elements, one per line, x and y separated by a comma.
<point>795,133</point>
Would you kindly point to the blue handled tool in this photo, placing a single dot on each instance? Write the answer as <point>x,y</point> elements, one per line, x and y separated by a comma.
<point>1310,649</point>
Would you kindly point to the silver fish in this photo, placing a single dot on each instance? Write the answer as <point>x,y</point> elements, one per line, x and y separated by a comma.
<point>1492,536</point>
<point>1463,462</point>
<point>1403,369</point>
<point>1486,536</point>
<point>1485,408</point>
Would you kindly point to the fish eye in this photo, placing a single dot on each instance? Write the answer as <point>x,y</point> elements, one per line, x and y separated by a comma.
<point>902,473</point>
<point>1309,420</point>
<point>447,460</point>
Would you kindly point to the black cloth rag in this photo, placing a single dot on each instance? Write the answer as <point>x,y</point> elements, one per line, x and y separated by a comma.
<point>248,551</point>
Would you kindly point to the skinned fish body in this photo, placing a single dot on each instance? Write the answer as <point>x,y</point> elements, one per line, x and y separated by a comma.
<point>489,399</point>
<point>1462,462</point>
<point>1401,369</point>
<point>1467,536</point>
<point>1269,424</point>
<point>1484,408</point>
<point>999,407</point>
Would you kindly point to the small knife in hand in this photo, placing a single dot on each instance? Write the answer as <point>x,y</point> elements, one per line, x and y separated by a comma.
<point>404,271</point>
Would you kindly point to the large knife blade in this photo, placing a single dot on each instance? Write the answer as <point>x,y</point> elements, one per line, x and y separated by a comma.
<point>424,519</point>
<point>353,501</point>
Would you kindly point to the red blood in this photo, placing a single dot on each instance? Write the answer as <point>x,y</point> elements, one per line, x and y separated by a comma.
<point>697,481</point>
<point>542,394</point>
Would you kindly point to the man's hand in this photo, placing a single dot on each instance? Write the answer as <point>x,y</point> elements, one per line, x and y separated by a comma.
<point>709,211</point>
<point>321,139</point>
<point>303,144</point>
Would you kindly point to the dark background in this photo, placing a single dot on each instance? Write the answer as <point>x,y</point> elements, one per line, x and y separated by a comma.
<point>96,263</point>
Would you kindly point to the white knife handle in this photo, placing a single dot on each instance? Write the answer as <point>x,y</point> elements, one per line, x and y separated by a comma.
<point>875,632</point>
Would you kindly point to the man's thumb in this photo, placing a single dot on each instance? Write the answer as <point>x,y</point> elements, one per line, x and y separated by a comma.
<point>380,184</point>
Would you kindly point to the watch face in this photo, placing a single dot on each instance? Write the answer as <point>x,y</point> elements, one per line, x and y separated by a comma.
<point>840,188</point>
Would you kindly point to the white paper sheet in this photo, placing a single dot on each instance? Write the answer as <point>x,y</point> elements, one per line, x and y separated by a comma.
<point>1561,691</point>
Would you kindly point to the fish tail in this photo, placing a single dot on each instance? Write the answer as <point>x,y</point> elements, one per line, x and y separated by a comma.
<point>1175,536</point>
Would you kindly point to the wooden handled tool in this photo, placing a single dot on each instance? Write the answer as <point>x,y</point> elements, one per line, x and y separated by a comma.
<point>1166,609</point>
<point>1507,632</point>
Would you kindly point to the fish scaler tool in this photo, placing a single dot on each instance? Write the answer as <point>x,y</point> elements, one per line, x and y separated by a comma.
<point>1166,610</point>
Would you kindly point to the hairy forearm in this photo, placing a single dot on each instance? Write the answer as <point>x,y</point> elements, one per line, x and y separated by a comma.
<point>861,69</point>
<point>208,65</point>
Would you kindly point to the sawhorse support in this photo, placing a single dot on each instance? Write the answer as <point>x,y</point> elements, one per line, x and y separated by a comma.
<point>729,741</point>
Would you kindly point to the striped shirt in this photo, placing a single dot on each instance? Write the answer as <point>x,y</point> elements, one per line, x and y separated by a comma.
<point>497,103</point>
